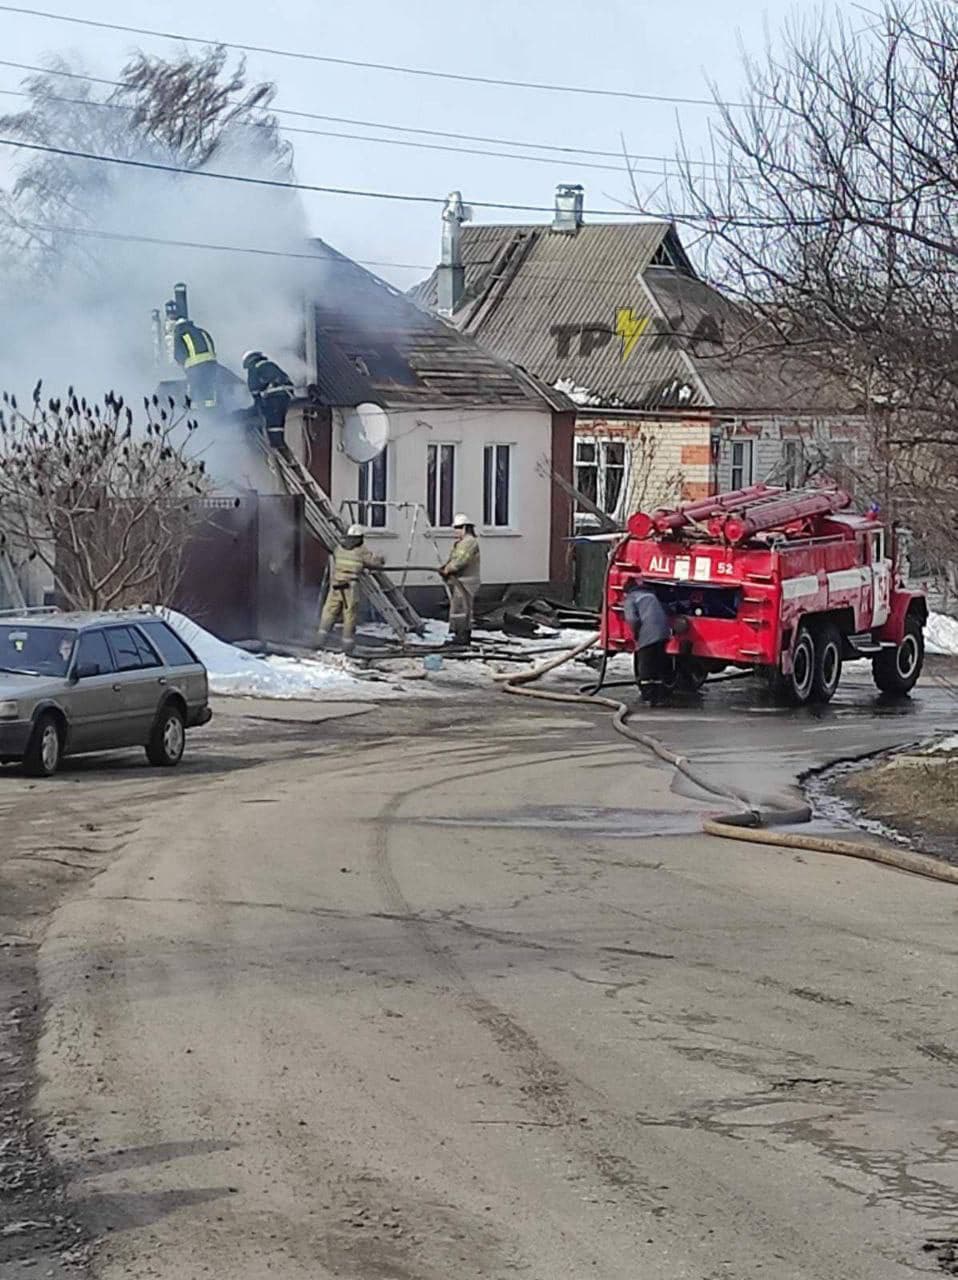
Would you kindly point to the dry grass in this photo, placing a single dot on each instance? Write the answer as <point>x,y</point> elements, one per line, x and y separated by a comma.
<point>913,793</point>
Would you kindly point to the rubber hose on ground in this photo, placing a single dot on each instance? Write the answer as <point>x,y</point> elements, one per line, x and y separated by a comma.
<point>751,822</point>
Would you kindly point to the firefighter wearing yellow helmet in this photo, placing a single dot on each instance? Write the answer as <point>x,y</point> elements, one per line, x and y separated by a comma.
<point>350,559</point>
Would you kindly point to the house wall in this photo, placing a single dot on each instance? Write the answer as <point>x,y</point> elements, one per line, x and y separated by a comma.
<point>517,554</point>
<point>822,437</point>
<point>670,458</point>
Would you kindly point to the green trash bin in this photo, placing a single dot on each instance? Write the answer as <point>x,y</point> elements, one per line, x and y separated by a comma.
<point>590,560</point>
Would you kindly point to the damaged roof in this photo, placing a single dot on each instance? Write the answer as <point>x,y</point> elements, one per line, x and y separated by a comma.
<point>374,344</point>
<point>616,316</point>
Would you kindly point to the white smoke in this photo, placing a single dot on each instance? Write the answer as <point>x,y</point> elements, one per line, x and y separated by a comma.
<point>85,318</point>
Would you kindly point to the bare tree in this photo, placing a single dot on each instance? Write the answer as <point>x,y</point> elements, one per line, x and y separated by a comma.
<point>182,112</point>
<point>105,503</point>
<point>829,205</point>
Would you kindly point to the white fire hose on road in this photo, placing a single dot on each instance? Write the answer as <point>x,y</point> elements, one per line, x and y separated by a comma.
<point>750,823</point>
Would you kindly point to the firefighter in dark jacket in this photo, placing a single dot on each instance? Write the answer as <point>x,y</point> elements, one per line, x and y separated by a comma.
<point>272,390</point>
<point>193,349</point>
<point>651,627</point>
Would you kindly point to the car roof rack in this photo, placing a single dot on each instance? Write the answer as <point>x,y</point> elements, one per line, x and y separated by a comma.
<point>44,610</point>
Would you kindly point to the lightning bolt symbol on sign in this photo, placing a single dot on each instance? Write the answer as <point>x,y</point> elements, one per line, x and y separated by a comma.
<point>630,328</point>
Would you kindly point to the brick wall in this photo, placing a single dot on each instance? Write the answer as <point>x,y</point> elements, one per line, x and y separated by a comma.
<point>670,458</point>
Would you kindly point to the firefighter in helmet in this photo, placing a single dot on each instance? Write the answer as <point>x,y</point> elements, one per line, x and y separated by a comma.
<point>461,574</point>
<point>193,349</point>
<point>272,389</point>
<point>350,559</point>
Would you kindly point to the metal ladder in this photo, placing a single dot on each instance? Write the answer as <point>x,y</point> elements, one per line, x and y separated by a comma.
<point>378,588</point>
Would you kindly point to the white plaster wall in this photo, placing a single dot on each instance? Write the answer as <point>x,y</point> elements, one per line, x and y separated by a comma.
<point>517,554</point>
<point>768,435</point>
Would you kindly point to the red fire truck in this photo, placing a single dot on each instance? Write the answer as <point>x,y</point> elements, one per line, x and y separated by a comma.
<point>787,582</point>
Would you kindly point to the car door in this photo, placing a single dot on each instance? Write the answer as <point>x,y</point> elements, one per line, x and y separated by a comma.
<point>94,705</point>
<point>139,680</point>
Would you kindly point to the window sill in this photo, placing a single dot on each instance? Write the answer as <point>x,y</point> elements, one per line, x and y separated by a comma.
<point>499,533</point>
<point>380,533</point>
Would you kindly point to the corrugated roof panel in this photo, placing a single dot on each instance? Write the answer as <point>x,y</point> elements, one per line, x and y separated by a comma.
<point>617,311</point>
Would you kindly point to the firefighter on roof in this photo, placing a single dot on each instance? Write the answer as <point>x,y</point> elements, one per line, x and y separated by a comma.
<point>272,389</point>
<point>350,559</point>
<point>193,349</point>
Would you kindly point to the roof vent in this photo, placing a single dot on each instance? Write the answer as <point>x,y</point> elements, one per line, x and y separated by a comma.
<point>568,217</point>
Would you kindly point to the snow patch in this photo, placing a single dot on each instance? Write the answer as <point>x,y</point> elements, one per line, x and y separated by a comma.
<point>941,634</point>
<point>583,397</point>
<point>234,671</point>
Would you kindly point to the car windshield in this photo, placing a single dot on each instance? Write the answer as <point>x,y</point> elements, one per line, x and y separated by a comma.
<point>35,651</point>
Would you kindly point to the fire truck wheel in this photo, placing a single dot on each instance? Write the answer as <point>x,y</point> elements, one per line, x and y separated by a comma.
<point>897,670</point>
<point>799,684</point>
<point>690,674</point>
<point>828,663</point>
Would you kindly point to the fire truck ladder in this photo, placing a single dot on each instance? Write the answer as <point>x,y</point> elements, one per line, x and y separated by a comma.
<point>781,510</point>
<point>378,588</point>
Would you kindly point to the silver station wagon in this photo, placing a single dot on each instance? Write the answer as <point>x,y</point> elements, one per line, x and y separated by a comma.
<point>75,683</point>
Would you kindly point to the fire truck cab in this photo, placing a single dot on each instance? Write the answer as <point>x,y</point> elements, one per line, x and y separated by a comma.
<point>788,583</point>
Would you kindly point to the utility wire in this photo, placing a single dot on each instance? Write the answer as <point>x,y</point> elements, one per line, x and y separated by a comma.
<point>567,151</point>
<point>388,142</point>
<point>322,258</point>
<point>426,72</point>
<point>155,166</point>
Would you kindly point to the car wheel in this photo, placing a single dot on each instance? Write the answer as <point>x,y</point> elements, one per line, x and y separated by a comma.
<point>168,739</point>
<point>828,664</point>
<point>897,670</point>
<point>45,749</point>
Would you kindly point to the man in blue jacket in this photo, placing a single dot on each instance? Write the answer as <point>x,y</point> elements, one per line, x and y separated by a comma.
<point>651,627</point>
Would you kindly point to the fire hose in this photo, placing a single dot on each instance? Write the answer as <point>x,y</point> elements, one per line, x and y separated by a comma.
<point>751,821</point>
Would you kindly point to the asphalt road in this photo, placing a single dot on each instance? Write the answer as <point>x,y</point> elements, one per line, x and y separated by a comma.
<point>458,990</point>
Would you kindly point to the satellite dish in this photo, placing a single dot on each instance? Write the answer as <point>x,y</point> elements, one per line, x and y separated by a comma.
<point>365,432</point>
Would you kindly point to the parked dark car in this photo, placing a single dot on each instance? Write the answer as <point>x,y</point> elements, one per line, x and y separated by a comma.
<point>76,683</point>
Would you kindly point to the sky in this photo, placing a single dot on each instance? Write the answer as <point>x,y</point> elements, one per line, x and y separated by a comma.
<point>631,45</point>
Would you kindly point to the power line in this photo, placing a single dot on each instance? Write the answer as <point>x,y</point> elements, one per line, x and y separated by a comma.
<point>321,258</point>
<point>562,150</point>
<point>425,72</point>
<point>155,166</point>
<point>388,142</point>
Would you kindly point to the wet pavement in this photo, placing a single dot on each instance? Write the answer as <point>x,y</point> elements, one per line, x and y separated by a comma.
<point>738,738</point>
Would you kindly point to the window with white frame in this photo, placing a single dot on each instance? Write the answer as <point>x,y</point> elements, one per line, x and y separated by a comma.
<point>599,472</point>
<point>440,484</point>
<point>742,464</point>
<point>373,492</point>
<point>496,486</point>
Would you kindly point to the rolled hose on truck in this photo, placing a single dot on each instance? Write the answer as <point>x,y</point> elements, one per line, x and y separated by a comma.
<point>750,822</point>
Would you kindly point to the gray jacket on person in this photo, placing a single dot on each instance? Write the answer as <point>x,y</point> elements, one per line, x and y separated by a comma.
<point>645,615</point>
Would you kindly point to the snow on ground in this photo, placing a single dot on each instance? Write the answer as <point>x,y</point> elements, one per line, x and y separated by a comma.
<point>941,634</point>
<point>234,672</point>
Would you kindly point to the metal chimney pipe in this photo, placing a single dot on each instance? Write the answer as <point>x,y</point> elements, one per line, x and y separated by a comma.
<point>182,306</point>
<point>451,279</point>
<point>569,214</point>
